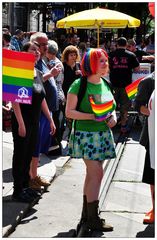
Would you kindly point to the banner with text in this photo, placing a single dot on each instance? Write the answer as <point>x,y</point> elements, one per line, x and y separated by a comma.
<point>17,76</point>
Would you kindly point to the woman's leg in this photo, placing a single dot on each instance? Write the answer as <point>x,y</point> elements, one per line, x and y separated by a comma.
<point>42,145</point>
<point>148,177</point>
<point>19,157</point>
<point>150,216</point>
<point>92,185</point>
<point>18,163</point>
<point>89,184</point>
<point>94,175</point>
<point>33,167</point>
<point>152,188</point>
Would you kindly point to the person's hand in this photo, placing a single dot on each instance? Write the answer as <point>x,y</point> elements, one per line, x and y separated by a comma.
<point>111,121</point>
<point>144,110</point>
<point>22,130</point>
<point>53,127</point>
<point>7,107</point>
<point>78,72</point>
<point>56,70</point>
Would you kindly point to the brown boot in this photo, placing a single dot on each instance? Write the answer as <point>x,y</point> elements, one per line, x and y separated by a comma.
<point>84,210</point>
<point>83,214</point>
<point>34,185</point>
<point>94,222</point>
<point>42,181</point>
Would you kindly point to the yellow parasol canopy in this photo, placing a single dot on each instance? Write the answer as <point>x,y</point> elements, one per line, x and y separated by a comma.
<point>98,18</point>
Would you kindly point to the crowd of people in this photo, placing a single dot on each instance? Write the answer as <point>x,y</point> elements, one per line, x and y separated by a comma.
<point>54,114</point>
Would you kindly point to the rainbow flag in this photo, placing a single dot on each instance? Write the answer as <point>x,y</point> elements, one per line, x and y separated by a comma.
<point>17,76</point>
<point>102,111</point>
<point>131,89</point>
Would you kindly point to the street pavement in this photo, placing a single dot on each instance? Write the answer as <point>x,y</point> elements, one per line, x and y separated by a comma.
<point>58,212</point>
<point>128,198</point>
<point>49,168</point>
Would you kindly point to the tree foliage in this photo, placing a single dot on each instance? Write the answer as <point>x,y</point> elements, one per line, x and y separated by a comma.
<point>136,9</point>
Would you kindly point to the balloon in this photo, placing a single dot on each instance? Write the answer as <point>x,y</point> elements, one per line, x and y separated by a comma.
<point>151,6</point>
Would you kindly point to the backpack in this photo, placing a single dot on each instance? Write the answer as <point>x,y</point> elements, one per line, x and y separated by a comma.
<point>83,87</point>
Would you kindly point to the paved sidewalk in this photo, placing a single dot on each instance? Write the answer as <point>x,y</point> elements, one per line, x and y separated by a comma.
<point>128,199</point>
<point>49,168</point>
<point>124,207</point>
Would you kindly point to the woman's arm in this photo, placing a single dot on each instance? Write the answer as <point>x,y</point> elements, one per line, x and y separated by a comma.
<point>18,114</point>
<point>46,111</point>
<point>71,111</point>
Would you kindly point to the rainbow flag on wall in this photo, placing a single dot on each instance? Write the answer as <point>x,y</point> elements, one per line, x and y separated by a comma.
<point>131,89</point>
<point>17,76</point>
<point>102,111</point>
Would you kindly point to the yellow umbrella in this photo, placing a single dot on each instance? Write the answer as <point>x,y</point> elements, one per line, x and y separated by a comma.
<point>98,18</point>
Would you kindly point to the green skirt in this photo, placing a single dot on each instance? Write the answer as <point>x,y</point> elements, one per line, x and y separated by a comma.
<point>97,146</point>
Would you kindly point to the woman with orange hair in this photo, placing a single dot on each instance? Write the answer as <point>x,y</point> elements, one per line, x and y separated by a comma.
<point>92,138</point>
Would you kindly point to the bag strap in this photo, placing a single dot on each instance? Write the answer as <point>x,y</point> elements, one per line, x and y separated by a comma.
<point>80,95</point>
<point>82,90</point>
<point>109,84</point>
<point>83,87</point>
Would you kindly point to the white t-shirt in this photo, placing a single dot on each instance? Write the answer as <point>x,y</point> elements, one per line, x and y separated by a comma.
<point>151,129</point>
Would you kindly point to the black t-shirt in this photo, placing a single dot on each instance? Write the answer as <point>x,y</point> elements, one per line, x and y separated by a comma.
<point>121,63</point>
<point>139,54</point>
<point>69,77</point>
<point>31,112</point>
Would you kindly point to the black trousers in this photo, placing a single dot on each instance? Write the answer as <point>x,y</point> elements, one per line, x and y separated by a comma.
<point>22,154</point>
<point>148,172</point>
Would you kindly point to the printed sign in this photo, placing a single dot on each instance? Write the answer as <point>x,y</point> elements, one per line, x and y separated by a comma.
<point>17,76</point>
<point>145,70</point>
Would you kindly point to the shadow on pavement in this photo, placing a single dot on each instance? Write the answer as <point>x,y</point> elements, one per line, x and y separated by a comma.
<point>69,234</point>
<point>72,233</point>
<point>148,232</point>
<point>25,221</point>
<point>15,210</point>
<point>97,234</point>
<point>7,176</point>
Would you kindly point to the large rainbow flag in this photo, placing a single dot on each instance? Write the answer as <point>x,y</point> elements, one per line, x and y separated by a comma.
<point>102,111</point>
<point>131,89</point>
<point>17,75</point>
